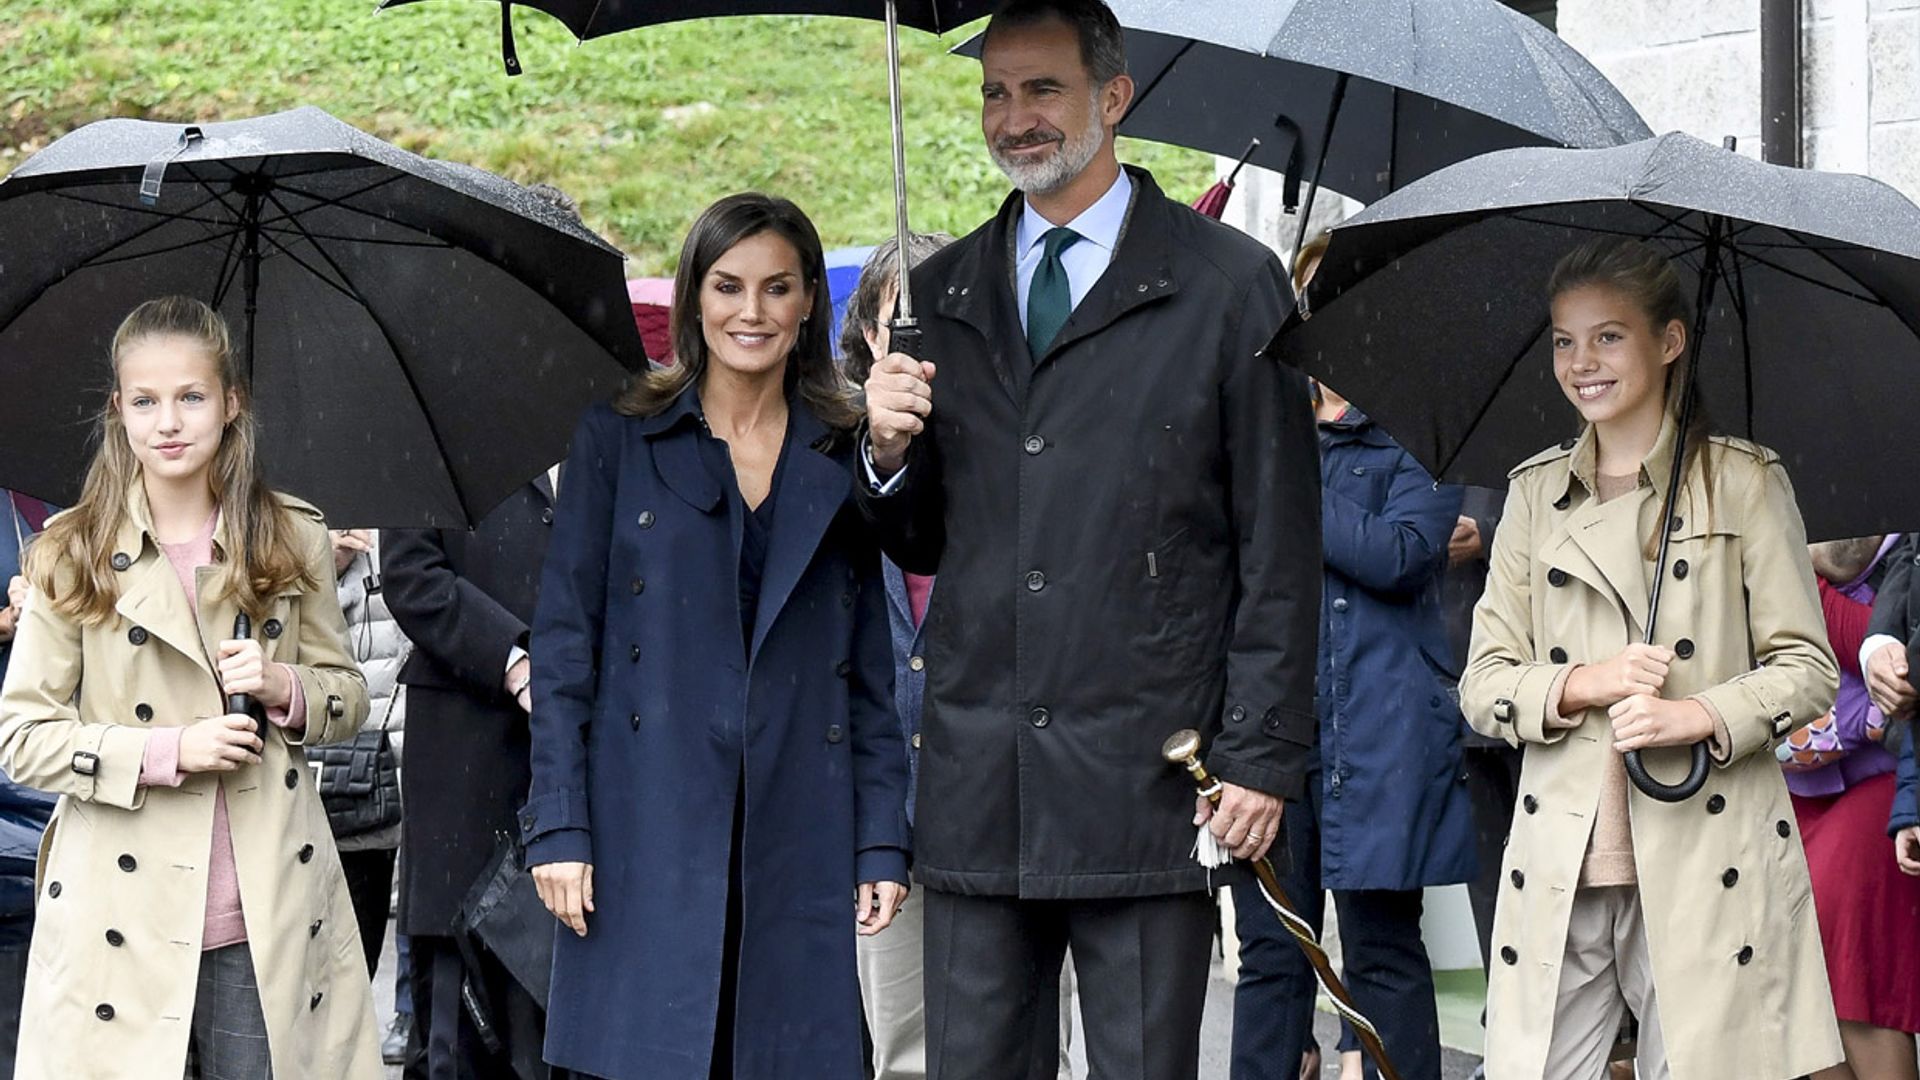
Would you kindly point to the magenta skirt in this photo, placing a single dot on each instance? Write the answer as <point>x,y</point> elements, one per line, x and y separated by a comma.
<point>1869,911</point>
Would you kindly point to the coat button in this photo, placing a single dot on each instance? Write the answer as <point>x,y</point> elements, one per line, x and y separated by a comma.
<point>315,1002</point>
<point>129,863</point>
<point>846,599</point>
<point>103,1011</point>
<point>121,560</point>
<point>1339,603</point>
<point>271,628</point>
<point>1558,655</point>
<point>143,712</point>
<point>1519,880</point>
<point>1730,878</point>
<point>639,586</point>
<point>1746,955</point>
<point>1563,502</point>
<point>1034,444</point>
<point>1716,804</point>
<point>1556,577</point>
<point>1568,444</point>
<point>1785,830</point>
<point>633,653</point>
<point>646,519</point>
<point>1036,581</point>
<point>1508,956</point>
<point>1676,524</point>
<point>835,733</point>
<point>1040,717</point>
<point>293,778</point>
<point>115,938</point>
<point>635,721</point>
<point>1683,648</point>
<point>137,635</point>
<point>314,930</point>
<point>306,853</point>
<point>918,663</point>
<point>546,518</point>
<point>53,890</point>
<point>843,669</point>
<point>1530,804</point>
<point>916,740</point>
<point>1237,713</point>
<point>1680,569</point>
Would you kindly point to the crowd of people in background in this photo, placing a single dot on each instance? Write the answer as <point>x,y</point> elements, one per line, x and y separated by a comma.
<point>805,719</point>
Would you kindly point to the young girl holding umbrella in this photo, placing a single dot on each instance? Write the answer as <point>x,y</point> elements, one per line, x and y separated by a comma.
<point>191,913</point>
<point>1697,916</point>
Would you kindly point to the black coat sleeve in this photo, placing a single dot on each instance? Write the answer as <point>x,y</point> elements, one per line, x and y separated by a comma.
<point>910,521</point>
<point>447,617</point>
<point>1483,505</point>
<point>1891,605</point>
<point>1273,467</point>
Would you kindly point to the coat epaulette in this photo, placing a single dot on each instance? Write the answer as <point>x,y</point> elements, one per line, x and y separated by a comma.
<point>301,507</point>
<point>1754,450</point>
<point>1554,453</point>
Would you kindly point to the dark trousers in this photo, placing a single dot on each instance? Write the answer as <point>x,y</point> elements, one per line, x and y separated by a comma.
<point>1493,783</point>
<point>993,978</point>
<point>455,1049</point>
<point>1384,963</point>
<point>13,989</point>
<point>370,887</point>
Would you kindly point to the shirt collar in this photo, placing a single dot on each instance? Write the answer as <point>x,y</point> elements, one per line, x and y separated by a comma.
<point>1100,223</point>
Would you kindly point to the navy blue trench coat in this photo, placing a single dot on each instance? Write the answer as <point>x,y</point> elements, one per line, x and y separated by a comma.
<point>1395,810</point>
<point>651,714</point>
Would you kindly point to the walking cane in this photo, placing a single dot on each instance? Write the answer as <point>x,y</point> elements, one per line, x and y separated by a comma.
<point>1183,748</point>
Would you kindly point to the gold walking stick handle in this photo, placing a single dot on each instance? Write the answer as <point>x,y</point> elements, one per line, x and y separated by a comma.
<point>1182,748</point>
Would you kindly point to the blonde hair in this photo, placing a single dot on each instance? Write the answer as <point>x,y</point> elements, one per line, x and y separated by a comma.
<point>72,562</point>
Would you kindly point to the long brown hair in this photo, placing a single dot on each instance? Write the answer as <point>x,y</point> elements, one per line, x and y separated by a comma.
<point>265,559</point>
<point>1638,271</point>
<point>822,386</point>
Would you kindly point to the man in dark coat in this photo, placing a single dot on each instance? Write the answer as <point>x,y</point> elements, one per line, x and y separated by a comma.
<point>1121,498</point>
<point>464,599</point>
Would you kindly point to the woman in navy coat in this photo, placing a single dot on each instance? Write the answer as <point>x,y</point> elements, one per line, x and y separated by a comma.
<point>719,783</point>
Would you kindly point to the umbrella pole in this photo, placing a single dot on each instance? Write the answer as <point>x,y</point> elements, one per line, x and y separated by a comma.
<point>1320,163</point>
<point>1669,521</point>
<point>252,258</point>
<point>904,330</point>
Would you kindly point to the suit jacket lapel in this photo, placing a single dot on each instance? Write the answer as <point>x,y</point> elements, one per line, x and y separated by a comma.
<point>812,489</point>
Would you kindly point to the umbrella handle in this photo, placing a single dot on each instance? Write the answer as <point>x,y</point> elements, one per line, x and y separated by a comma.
<point>904,337</point>
<point>1669,793</point>
<point>241,704</point>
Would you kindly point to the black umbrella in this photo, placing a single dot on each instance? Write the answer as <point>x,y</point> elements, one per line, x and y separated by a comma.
<point>1429,311</point>
<point>421,335</point>
<point>1410,85</point>
<point>595,18</point>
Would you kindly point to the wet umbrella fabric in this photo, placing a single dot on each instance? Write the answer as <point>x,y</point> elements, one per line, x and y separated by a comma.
<point>424,334</point>
<point>1430,312</point>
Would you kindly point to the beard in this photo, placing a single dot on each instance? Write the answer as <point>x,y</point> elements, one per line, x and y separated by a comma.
<point>1068,160</point>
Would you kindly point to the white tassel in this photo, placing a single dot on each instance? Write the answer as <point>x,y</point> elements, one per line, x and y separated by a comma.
<point>1208,852</point>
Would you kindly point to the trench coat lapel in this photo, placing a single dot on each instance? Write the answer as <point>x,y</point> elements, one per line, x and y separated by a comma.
<point>676,455</point>
<point>813,488</point>
<point>1600,545</point>
<point>150,593</point>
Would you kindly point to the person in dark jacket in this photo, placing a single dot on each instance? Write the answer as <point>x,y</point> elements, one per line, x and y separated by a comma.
<point>718,770</point>
<point>23,811</point>
<point>1120,497</point>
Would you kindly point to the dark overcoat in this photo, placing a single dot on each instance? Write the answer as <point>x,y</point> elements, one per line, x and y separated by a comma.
<point>1395,813</point>
<point>464,598</point>
<point>1127,534</point>
<point>652,714</point>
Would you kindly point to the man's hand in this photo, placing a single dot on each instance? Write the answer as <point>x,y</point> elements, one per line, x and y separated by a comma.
<point>244,670</point>
<point>1247,822</point>
<point>1644,721</point>
<point>1639,669</point>
<point>1887,682</point>
<point>346,544</point>
<point>519,684</point>
<point>9,619</point>
<point>219,744</point>
<point>875,905</point>
<point>1906,850</point>
<point>567,890</point>
<point>899,400</point>
<point>1466,544</point>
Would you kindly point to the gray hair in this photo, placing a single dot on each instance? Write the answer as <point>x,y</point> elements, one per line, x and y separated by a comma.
<point>878,274</point>
<point>1103,45</point>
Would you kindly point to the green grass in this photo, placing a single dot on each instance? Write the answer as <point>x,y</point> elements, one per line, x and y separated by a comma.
<point>643,128</point>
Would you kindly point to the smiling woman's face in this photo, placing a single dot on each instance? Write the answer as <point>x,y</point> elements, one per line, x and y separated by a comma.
<point>752,303</point>
<point>1608,357</point>
<point>172,405</point>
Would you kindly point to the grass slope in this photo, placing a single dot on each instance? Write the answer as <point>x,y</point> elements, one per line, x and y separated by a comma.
<point>644,128</point>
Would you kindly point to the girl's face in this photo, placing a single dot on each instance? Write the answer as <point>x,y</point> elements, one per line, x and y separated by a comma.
<point>1610,360</point>
<point>752,304</point>
<point>173,406</point>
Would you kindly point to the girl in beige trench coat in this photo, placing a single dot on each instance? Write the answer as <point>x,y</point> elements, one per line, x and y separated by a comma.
<point>1697,915</point>
<point>188,892</point>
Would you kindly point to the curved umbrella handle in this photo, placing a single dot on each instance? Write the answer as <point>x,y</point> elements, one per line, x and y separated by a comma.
<point>241,704</point>
<point>1681,792</point>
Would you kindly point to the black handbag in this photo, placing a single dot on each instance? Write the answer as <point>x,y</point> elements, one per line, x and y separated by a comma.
<point>359,780</point>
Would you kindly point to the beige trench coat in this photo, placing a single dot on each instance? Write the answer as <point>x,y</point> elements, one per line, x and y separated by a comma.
<point>133,860</point>
<point>1739,977</point>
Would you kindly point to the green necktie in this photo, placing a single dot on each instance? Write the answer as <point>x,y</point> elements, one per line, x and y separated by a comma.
<point>1049,300</point>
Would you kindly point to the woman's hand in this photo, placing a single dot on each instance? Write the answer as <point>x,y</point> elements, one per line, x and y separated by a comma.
<point>1644,721</point>
<point>244,670</point>
<point>219,744</point>
<point>1639,669</point>
<point>1906,850</point>
<point>567,890</point>
<point>876,904</point>
<point>346,544</point>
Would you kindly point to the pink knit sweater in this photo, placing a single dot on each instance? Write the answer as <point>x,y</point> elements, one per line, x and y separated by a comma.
<point>225,923</point>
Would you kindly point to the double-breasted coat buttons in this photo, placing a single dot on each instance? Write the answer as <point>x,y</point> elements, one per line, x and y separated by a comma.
<point>116,939</point>
<point>1508,956</point>
<point>1556,577</point>
<point>128,863</point>
<point>1716,804</point>
<point>835,733</point>
<point>1680,569</point>
<point>1730,878</point>
<point>1563,502</point>
<point>103,1010</point>
<point>1746,955</point>
<point>121,560</point>
<point>1785,830</point>
<point>1558,655</point>
<point>272,628</point>
<point>1530,804</point>
<point>1519,879</point>
<point>53,890</point>
<point>143,712</point>
<point>646,519</point>
<point>293,778</point>
<point>306,853</point>
<point>1683,648</point>
<point>137,635</point>
<point>638,586</point>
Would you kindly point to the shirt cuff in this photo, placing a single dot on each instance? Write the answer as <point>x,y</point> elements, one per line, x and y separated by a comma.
<point>1872,645</point>
<point>292,716</point>
<point>879,486</point>
<point>160,765</point>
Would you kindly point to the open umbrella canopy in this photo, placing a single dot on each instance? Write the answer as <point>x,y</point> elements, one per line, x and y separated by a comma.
<point>595,18</point>
<point>422,335</point>
<point>1429,311</point>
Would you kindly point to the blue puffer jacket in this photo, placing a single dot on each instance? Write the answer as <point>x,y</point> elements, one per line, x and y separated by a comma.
<point>1396,814</point>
